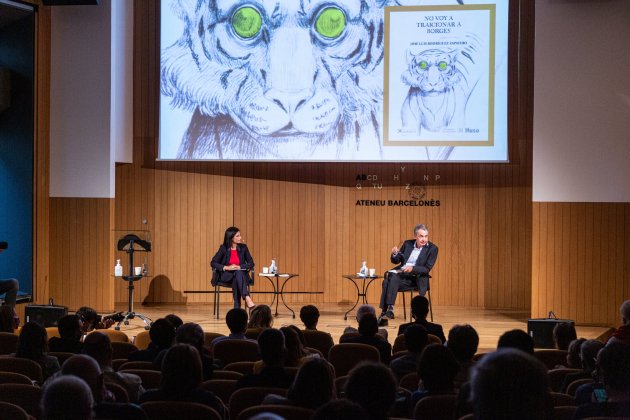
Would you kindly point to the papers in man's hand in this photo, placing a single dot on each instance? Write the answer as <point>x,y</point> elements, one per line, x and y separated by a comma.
<point>394,271</point>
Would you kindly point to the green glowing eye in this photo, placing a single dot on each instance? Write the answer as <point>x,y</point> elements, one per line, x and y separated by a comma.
<point>330,23</point>
<point>247,22</point>
<point>423,65</point>
<point>442,66</point>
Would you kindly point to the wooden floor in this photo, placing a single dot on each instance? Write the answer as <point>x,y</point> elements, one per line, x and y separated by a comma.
<point>490,324</point>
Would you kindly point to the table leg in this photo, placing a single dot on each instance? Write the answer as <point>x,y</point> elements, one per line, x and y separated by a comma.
<point>282,296</point>
<point>345,316</point>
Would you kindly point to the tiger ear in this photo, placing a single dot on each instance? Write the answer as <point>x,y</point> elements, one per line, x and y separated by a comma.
<point>410,57</point>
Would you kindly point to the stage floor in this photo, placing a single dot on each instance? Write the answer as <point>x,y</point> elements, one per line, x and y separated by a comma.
<point>490,324</point>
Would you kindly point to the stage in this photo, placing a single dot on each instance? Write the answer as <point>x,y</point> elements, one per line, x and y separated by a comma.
<point>490,324</point>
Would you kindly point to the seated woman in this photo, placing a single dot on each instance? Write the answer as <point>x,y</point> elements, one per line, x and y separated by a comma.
<point>181,380</point>
<point>231,264</point>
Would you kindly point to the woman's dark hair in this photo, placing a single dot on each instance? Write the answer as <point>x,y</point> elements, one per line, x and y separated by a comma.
<point>230,233</point>
<point>373,386</point>
<point>563,334</point>
<point>190,333</point>
<point>33,343</point>
<point>437,368</point>
<point>295,349</point>
<point>573,354</point>
<point>313,385</point>
<point>181,370</point>
<point>175,320</point>
<point>7,323</point>
<point>69,327</point>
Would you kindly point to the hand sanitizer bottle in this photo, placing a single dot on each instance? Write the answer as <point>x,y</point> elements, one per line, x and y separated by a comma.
<point>118,270</point>
<point>364,271</point>
<point>273,268</point>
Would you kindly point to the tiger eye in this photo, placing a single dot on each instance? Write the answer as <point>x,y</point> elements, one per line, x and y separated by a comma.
<point>246,22</point>
<point>442,66</point>
<point>423,65</point>
<point>330,23</point>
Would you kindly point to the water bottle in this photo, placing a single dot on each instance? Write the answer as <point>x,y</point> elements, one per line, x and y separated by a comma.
<point>364,271</point>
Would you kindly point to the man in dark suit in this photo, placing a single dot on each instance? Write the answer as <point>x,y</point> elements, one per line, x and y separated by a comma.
<point>419,312</point>
<point>415,260</point>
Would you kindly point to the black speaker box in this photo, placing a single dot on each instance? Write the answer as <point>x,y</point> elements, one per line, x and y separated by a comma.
<point>45,315</point>
<point>70,2</point>
<point>541,330</point>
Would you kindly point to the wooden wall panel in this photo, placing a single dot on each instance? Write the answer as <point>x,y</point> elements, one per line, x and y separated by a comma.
<point>580,260</point>
<point>80,252</point>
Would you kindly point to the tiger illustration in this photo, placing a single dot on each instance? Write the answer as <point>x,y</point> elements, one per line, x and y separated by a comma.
<point>267,80</point>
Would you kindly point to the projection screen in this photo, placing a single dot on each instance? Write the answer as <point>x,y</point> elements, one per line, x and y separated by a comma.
<point>334,80</point>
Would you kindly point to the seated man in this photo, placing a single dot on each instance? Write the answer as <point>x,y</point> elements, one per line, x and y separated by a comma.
<point>622,334</point>
<point>368,328</point>
<point>236,320</point>
<point>309,314</point>
<point>415,260</point>
<point>10,288</point>
<point>419,312</point>
<point>69,339</point>
<point>351,331</point>
<point>272,349</point>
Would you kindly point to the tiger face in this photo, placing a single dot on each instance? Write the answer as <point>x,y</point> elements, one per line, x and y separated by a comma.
<point>266,72</point>
<point>432,71</point>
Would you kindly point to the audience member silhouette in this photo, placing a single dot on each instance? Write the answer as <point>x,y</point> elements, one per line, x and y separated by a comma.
<point>236,320</point>
<point>510,384</point>
<point>182,378</point>
<point>613,370</point>
<point>341,409</point>
<point>368,327</point>
<point>573,354</point>
<point>588,358</point>
<point>69,341</point>
<point>622,334</point>
<point>516,339</point>
<point>296,354</point>
<point>191,333</point>
<point>271,347</point>
<point>66,398</point>
<point>162,334</point>
<point>99,347</point>
<point>416,339</point>
<point>260,317</point>
<point>313,386</point>
<point>436,370</point>
<point>309,314</point>
<point>563,334</point>
<point>463,341</point>
<point>175,320</point>
<point>419,312</point>
<point>351,331</point>
<point>33,344</point>
<point>90,320</point>
<point>373,387</point>
<point>7,319</point>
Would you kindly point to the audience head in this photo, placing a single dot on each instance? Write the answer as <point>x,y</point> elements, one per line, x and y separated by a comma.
<point>236,320</point>
<point>373,386</point>
<point>260,317</point>
<point>613,368</point>
<point>341,409</point>
<point>563,334</point>
<point>162,333</point>
<point>69,328</point>
<point>294,348</point>
<point>588,354</point>
<point>99,347</point>
<point>88,317</point>
<point>368,325</point>
<point>463,341</point>
<point>363,310</point>
<point>624,309</point>
<point>313,385</point>
<point>271,347</point>
<point>510,384</point>
<point>517,339</point>
<point>416,338</point>
<point>174,320</point>
<point>190,333</point>
<point>84,367</point>
<point>419,308</point>
<point>33,342</point>
<point>437,368</point>
<point>573,354</point>
<point>309,314</point>
<point>181,370</point>
<point>67,398</point>
<point>7,323</point>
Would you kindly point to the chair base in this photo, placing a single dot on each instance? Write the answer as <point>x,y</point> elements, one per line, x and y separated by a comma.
<point>132,315</point>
